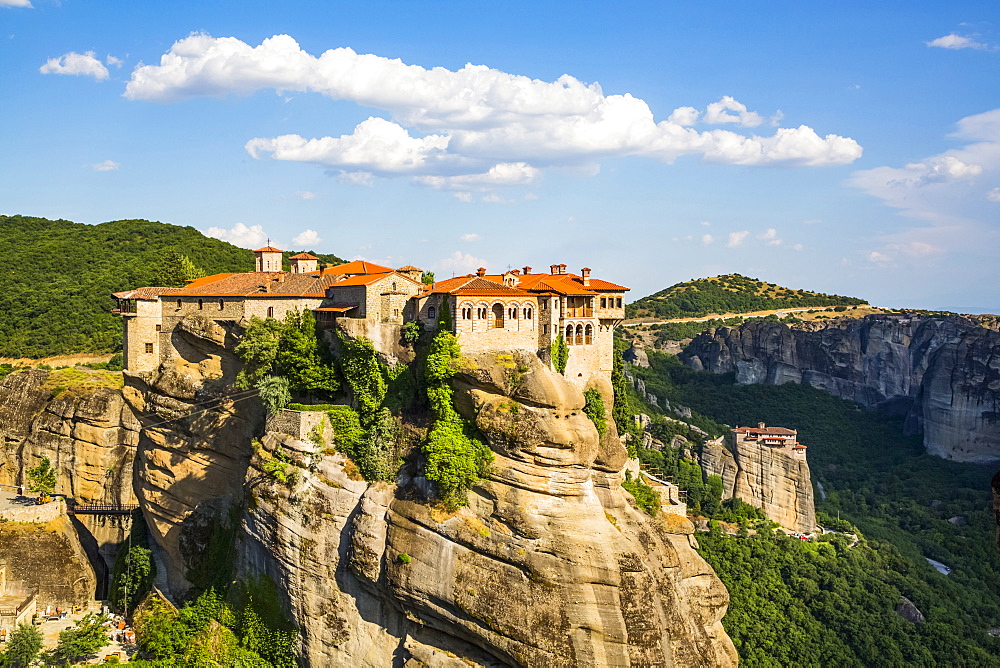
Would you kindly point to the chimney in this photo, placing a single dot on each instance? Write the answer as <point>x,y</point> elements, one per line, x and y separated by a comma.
<point>481,271</point>
<point>562,269</point>
<point>760,425</point>
<point>553,268</point>
<point>585,272</point>
<point>527,270</point>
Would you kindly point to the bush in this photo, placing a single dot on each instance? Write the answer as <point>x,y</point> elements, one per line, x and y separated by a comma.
<point>42,478</point>
<point>560,354</point>
<point>645,496</point>
<point>594,409</point>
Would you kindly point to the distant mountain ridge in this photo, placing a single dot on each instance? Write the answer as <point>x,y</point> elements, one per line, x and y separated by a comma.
<point>729,293</point>
<point>58,276</point>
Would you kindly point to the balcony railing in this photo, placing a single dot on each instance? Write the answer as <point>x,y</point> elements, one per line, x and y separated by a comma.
<point>579,312</point>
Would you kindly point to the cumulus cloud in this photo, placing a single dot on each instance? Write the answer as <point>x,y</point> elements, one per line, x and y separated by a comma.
<point>15,3</point>
<point>307,239</point>
<point>707,239</point>
<point>471,236</point>
<point>770,237</point>
<point>111,60</point>
<point>239,235</point>
<point>459,263</point>
<point>76,64</point>
<point>475,127</point>
<point>953,41</point>
<point>106,166</point>
<point>737,238</point>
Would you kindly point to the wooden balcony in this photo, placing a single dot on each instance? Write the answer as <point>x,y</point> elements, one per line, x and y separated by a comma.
<point>579,312</point>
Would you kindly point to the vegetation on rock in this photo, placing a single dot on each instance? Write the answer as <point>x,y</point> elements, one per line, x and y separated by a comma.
<point>560,354</point>
<point>455,457</point>
<point>645,496</point>
<point>42,478</point>
<point>594,409</point>
<point>731,293</point>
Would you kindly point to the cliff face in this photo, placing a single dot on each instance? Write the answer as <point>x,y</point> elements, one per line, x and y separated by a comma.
<point>945,371</point>
<point>550,564</point>
<point>770,478</point>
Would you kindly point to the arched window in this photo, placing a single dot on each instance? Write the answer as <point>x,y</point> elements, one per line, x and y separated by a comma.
<point>579,335</point>
<point>431,312</point>
<point>512,313</point>
<point>569,335</point>
<point>498,315</point>
<point>527,313</point>
<point>270,311</point>
<point>178,303</point>
<point>481,313</point>
<point>222,304</point>
<point>394,286</point>
<point>588,334</point>
<point>201,304</point>
<point>466,314</point>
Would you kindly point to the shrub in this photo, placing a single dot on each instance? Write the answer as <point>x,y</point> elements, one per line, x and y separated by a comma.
<point>42,478</point>
<point>560,354</point>
<point>646,497</point>
<point>594,409</point>
<point>404,558</point>
<point>273,392</point>
<point>412,331</point>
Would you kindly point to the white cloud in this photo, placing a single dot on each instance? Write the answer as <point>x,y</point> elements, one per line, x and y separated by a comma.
<point>719,112</point>
<point>239,235</point>
<point>945,193</point>
<point>993,195</point>
<point>462,196</point>
<point>357,178</point>
<point>705,223</point>
<point>306,194</point>
<point>307,239</point>
<point>15,3</point>
<point>77,64</point>
<point>953,41</point>
<point>473,128</point>
<point>459,263</point>
<point>106,166</point>
<point>770,236</point>
<point>684,116</point>
<point>707,239</point>
<point>798,247</point>
<point>878,258</point>
<point>111,60</point>
<point>472,236</point>
<point>737,238</point>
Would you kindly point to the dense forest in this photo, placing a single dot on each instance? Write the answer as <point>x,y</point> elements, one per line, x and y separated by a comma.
<point>826,603</point>
<point>731,293</point>
<point>58,276</point>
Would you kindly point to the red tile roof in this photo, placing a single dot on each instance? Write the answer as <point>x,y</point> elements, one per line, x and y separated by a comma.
<point>268,249</point>
<point>409,267</point>
<point>256,284</point>
<point>142,293</point>
<point>357,267</point>
<point>768,431</point>
<point>564,284</point>
<point>303,256</point>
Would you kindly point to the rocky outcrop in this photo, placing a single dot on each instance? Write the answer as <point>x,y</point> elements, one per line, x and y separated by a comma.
<point>195,444</point>
<point>550,564</point>
<point>773,479</point>
<point>47,558</point>
<point>942,372</point>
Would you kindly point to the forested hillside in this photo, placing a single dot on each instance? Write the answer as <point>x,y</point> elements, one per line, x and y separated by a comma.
<point>731,293</point>
<point>57,277</point>
<point>809,603</point>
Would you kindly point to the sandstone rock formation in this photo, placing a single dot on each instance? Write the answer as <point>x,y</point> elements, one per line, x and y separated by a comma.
<point>47,558</point>
<point>551,564</point>
<point>770,478</point>
<point>943,372</point>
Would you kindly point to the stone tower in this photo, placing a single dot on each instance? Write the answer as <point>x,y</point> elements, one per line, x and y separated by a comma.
<point>268,259</point>
<point>303,263</point>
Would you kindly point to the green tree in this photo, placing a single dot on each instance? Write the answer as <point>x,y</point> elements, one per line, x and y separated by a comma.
<point>427,278</point>
<point>84,639</point>
<point>594,409</point>
<point>42,478</point>
<point>302,359</point>
<point>560,354</point>
<point>159,631</point>
<point>273,392</point>
<point>132,578</point>
<point>176,270</point>
<point>23,646</point>
<point>258,350</point>
<point>363,372</point>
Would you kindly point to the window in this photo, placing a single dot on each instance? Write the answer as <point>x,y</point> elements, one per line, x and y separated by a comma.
<point>545,304</point>
<point>588,334</point>
<point>149,347</point>
<point>178,303</point>
<point>604,302</point>
<point>466,313</point>
<point>394,286</point>
<point>270,311</point>
<point>619,300</point>
<point>201,304</point>
<point>498,315</point>
<point>222,304</point>
<point>512,313</point>
<point>431,312</point>
<point>527,314</point>
<point>481,313</point>
<point>159,328</point>
<point>395,313</point>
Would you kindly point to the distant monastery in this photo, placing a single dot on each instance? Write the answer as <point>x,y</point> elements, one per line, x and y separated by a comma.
<point>516,310</point>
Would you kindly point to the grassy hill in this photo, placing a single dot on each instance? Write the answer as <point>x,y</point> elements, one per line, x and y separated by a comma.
<point>731,293</point>
<point>57,277</point>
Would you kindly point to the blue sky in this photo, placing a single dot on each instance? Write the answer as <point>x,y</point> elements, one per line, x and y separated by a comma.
<point>838,147</point>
